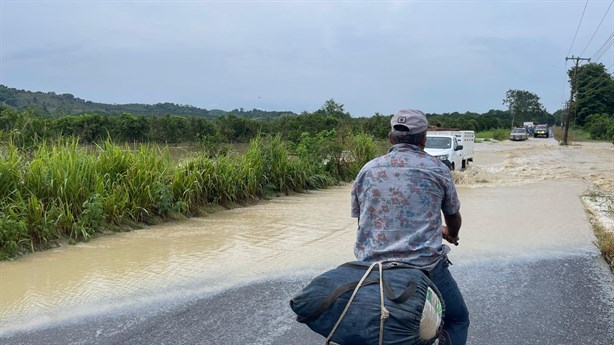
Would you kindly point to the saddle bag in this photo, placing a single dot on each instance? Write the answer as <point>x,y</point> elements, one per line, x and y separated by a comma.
<point>368,303</point>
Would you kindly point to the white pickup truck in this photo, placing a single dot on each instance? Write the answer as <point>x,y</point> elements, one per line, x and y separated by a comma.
<point>454,148</point>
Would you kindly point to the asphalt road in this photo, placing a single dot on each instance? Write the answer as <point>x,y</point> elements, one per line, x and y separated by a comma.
<point>564,300</point>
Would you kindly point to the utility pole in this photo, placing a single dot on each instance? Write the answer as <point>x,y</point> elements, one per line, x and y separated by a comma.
<point>572,91</point>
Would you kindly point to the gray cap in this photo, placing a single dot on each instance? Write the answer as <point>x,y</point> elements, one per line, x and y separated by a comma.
<point>413,120</point>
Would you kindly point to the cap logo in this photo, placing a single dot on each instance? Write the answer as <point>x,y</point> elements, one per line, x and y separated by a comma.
<point>401,120</point>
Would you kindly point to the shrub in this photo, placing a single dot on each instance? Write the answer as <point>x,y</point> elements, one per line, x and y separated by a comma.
<point>600,127</point>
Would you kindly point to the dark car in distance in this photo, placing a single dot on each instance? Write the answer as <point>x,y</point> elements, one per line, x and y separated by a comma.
<point>541,130</point>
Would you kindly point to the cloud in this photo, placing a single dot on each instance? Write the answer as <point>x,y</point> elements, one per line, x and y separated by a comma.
<point>43,53</point>
<point>442,56</point>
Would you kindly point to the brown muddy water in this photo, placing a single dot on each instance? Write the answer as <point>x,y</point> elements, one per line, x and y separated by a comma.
<point>519,200</point>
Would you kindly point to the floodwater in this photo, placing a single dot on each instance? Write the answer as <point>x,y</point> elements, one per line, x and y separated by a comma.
<point>519,200</point>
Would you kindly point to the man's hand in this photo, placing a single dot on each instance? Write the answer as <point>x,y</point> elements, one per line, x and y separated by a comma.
<point>447,237</point>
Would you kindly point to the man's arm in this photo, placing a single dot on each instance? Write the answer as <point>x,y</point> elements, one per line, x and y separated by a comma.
<point>452,227</point>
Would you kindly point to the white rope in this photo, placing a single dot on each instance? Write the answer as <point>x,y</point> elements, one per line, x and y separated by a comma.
<point>384,312</point>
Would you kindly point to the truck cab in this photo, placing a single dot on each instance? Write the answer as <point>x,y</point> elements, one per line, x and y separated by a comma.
<point>446,148</point>
<point>453,147</point>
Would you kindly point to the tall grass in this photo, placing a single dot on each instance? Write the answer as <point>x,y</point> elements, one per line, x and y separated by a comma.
<point>574,134</point>
<point>64,192</point>
<point>497,134</point>
<point>605,242</point>
<point>363,149</point>
<point>9,172</point>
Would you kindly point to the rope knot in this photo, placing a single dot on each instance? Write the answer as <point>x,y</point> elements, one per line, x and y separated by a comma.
<point>385,313</point>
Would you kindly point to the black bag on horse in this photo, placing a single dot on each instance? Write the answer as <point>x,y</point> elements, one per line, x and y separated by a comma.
<point>363,303</point>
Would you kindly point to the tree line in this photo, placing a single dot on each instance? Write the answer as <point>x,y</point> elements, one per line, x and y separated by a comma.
<point>52,105</point>
<point>592,108</point>
<point>29,126</point>
<point>592,101</point>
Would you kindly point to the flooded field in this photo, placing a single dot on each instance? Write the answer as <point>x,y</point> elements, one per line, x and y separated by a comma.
<point>519,200</point>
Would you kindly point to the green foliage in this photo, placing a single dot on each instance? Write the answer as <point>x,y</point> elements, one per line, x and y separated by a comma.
<point>322,151</point>
<point>593,90</point>
<point>377,125</point>
<point>334,109</point>
<point>146,184</point>
<point>193,183</point>
<point>10,173</point>
<point>276,173</point>
<point>89,221</point>
<point>58,182</point>
<point>253,166</point>
<point>363,150</point>
<point>574,134</point>
<point>52,104</point>
<point>29,129</point>
<point>497,134</point>
<point>524,106</point>
<point>341,155</point>
<point>316,148</point>
<point>24,129</point>
<point>557,118</point>
<point>600,127</point>
<point>237,129</point>
<point>468,121</point>
<point>605,242</point>
<point>130,128</point>
<point>14,235</point>
<point>293,127</point>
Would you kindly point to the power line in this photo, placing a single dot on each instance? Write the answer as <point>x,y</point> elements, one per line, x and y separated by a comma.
<point>598,26</point>
<point>604,48</point>
<point>591,87</point>
<point>578,29</point>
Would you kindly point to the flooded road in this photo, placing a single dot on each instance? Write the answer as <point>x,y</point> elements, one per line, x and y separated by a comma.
<point>196,256</point>
<point>521,207</point>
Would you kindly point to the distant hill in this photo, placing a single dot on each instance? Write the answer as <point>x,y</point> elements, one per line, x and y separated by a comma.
<point>52,104</point>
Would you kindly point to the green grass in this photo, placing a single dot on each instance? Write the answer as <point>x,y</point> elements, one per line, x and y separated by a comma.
<point>605,242</point>
<point>497,134</point>
<point>68,192</point>
<point>574,134</point>
<point>598,203</point>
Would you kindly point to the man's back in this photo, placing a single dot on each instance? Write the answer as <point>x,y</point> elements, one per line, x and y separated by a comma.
<point>398,199</point>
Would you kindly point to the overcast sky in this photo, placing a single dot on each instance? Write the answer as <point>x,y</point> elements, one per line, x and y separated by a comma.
<point>370,56</point>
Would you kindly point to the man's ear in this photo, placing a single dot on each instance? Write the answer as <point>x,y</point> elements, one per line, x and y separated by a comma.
<point>423,141</point>
<point>390,137</point>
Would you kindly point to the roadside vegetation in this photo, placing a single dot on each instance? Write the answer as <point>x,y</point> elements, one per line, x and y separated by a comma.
<point>499,134</point>
<point>600,207</point>
<point>574,134</point>
<point>605,242</point>
<point>63,191</point>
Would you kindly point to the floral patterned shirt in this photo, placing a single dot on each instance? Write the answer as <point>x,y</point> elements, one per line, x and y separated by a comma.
<point>398,199</point>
